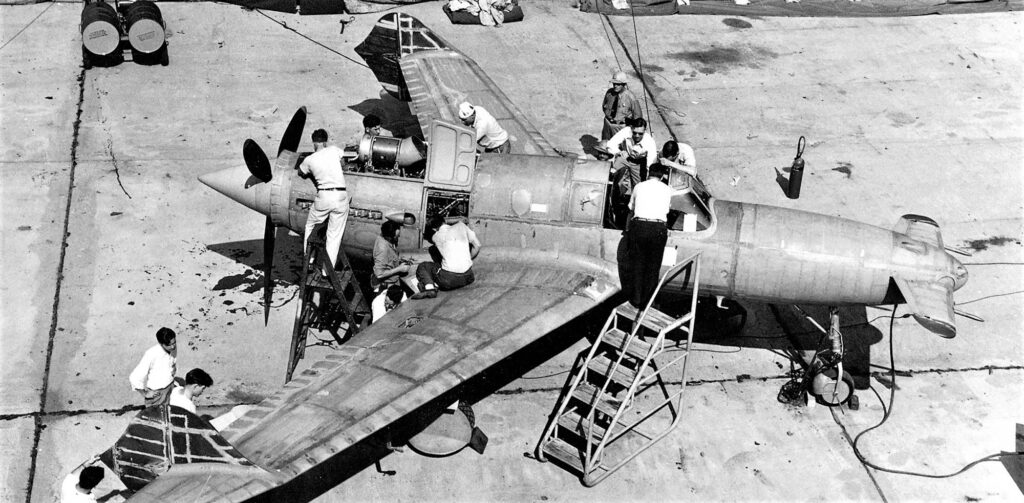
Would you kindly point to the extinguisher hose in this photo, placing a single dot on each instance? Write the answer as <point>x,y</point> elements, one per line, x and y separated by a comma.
<point>800,144</point>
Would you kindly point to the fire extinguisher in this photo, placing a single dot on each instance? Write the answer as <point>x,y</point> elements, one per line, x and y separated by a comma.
<point>796,172</point>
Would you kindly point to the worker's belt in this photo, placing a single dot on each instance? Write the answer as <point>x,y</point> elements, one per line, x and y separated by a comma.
<point>636,160</point>
<point>333,188</point>
<point>614,122</point>
<point>648,220</point>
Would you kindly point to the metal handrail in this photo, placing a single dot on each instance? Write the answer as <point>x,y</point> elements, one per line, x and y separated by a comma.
<point>672,272</point>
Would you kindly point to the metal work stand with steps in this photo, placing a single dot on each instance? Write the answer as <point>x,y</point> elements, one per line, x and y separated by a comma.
<point>334,302</point>
<point>620,391</point>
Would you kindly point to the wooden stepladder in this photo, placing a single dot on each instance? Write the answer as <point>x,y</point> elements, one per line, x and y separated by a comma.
<point>333,302</point>
<point>619,400</point>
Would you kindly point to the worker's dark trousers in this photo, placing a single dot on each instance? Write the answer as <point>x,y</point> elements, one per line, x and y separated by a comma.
<point>645,246</point>
<point>432,274</point>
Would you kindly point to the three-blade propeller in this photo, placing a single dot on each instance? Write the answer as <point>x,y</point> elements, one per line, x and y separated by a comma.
<point>259,167</point>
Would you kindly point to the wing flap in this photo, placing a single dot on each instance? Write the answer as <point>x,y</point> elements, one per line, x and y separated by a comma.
<point>931,304</point>
<point>206,482</point>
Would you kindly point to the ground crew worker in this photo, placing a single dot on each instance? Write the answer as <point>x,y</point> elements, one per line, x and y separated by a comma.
<point>196,382</point>
<point>645,237</point>
<point>458,246</point>
<point>634,149</point>
<point>78,485</point>
<point>385,301</point>
<point>325,165</point>
<point>388,266</point>
<point>153,377</point>
<point>678,156</point>
<point>619,105</point>
<point>490,136</point>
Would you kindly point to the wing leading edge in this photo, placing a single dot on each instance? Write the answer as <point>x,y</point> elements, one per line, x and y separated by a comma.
<point>419,351</point>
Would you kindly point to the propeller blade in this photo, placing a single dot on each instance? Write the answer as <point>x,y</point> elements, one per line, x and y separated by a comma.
<point>269,235</point>
<point>256,161</point>
<point>293,135</point>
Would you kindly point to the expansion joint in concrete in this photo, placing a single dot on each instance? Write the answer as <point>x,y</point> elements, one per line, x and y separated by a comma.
<point>38,430</point>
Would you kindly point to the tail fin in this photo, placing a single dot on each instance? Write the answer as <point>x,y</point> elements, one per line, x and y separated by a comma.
<point>931,304</point>
<point>396,35</point>
<point>921,228</point>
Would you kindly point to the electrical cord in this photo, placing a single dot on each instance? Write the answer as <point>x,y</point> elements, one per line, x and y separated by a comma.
<point>964,303</point>
<point>30,23</point>
<point>303,35</point>
<point>885,417</point>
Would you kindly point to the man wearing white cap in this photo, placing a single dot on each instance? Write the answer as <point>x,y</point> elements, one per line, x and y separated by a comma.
<point>619,106</point>
<point>490,136</point>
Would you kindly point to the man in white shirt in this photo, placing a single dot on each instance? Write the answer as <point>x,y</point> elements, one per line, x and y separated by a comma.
<point>634,149</point>
<point>77,486</point>
<point>196,382</point>
<point>153,377</point>
<point>331,203</point>
<point>386,300</point>
<point>458,246</point>
<point>645,238</point>
<point>678,156</point>
<point>490,136</point>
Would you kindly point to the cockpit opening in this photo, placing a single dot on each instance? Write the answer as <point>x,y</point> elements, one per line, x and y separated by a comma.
<point>689,209</point>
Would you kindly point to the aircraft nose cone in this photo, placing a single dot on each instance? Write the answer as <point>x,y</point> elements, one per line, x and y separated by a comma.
<point>238,184</point>
<point>959,273</point>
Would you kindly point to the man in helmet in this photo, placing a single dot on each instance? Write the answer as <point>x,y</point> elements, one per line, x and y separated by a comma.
<point>619,106</point>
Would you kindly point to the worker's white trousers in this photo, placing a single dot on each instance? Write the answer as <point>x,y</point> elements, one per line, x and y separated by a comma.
<point>331,204</point>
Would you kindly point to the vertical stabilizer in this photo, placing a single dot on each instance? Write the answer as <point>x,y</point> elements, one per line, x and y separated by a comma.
<point>396,35</point>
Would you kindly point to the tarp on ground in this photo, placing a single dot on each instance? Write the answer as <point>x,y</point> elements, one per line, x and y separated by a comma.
<point>804,8</point>
<point>317,7</point>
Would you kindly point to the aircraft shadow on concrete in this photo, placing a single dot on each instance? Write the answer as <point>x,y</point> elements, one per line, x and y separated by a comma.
<point>287,262</point>
<point>782,179</point>
<point>716,326</point>
<point>783,330</point>
<point>394,114</point>
<point>589,142</point>
<point>375,448</point>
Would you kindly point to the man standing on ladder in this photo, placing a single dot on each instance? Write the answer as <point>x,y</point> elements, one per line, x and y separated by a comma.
<point>325,165</point>
<point>645,237</point>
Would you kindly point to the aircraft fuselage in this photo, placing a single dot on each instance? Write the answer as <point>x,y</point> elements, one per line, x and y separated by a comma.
<point>555,204</point>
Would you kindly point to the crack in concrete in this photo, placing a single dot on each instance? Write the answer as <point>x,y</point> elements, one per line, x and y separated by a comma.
<point>867,470</point>
<point>117,412</point>
<point>37,434</point>
<point>117,172</point>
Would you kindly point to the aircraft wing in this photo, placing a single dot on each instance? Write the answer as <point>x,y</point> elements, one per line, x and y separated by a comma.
<point>415,354</point>
<point>436,78</point>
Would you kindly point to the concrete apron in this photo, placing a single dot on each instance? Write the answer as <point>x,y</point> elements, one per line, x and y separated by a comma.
<point>902,115</point>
